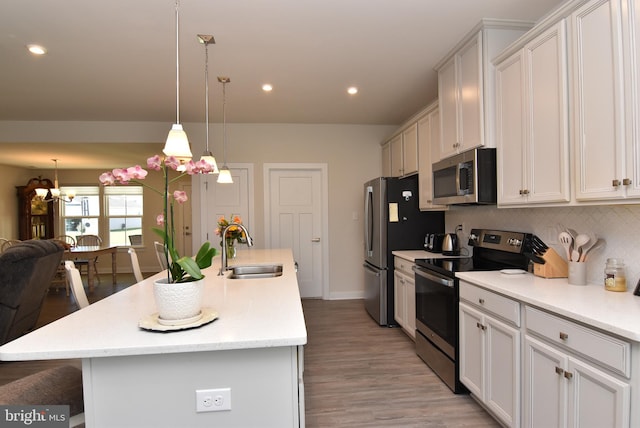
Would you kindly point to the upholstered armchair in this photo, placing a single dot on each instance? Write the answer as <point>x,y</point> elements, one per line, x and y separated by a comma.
<point>26,271</point>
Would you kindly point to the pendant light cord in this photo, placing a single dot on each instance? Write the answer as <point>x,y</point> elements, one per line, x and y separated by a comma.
<point>224,122</point>
<point>206,89</point>
<point>177,64</point>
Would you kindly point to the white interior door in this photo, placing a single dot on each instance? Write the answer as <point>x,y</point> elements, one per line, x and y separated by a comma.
<point>295,208</point>
<point>227,200</point>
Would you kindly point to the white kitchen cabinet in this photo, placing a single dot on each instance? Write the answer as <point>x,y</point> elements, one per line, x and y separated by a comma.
<point>490,351</point>
<point>386,159</point>
<point>410,150</point>
<point>532,122</point>
<point>574,376</point>
<point>598,101</point>
<point>466,88</point>
<point>562,391</point>
<point>428,153</point>
<point>404,152</point>
<point>404,287</point>
<point>396,156</point>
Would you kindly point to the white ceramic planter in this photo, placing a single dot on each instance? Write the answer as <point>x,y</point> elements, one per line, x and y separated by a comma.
<point>179,303</point>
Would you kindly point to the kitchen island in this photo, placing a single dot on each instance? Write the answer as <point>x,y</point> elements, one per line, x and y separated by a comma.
<point>139,378</point>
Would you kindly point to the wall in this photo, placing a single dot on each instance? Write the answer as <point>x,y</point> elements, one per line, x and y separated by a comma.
<point>617,224</point>
<point>352,153</point>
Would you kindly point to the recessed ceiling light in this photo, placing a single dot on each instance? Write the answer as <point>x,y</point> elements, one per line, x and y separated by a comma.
<point>352,90</point>
<point>267,87</point>
<point>37,49</point>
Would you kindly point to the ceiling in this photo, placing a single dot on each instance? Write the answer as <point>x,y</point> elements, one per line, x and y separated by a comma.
<point>115,60</point>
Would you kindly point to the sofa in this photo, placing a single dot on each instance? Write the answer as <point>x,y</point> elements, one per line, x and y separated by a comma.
<point>26,272</point>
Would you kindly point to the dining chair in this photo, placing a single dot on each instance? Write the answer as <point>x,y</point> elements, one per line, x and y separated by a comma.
<point>6,243</point>
<point>76,285</point>
<point>135,239</point>
<point>135,264</point>
<point>88,241</point>
<point>67,239</point>
<point>160,255</point>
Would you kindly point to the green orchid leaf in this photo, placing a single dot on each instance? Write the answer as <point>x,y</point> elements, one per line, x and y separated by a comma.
<point>190,267</point>
<point>205,255</point>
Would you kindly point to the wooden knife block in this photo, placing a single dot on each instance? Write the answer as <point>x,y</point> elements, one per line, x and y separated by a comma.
<point>555,266</point>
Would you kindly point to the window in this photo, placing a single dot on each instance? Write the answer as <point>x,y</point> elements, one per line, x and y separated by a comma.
<point>116,218</point>
<point>82,215</point>
<point>124,214</point>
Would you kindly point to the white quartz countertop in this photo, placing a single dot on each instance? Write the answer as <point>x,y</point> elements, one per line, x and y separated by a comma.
<point>613,312</point>
<point>412,255</point>
<point>252,313</point>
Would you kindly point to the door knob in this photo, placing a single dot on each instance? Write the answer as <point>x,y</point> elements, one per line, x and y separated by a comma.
<point>315,240</point>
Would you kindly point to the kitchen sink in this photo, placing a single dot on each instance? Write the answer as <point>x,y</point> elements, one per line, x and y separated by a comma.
<point>255,271</point>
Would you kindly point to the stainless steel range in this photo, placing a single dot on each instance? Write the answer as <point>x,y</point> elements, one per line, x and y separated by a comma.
<point>437,296</point>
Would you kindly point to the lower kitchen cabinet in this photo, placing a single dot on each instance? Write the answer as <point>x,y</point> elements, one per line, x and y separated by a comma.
<point>562,391</point>
<point>490,363</point>
<point>404,287</point>
<point>574,376</point>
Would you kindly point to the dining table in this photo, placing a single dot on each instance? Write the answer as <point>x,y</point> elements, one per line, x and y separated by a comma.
<point>91,253</point>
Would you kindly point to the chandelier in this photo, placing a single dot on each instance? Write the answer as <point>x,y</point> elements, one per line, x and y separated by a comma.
<point>41,192</point>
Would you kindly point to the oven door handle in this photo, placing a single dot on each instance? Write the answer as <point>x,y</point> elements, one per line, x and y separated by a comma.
<point>438,279</point>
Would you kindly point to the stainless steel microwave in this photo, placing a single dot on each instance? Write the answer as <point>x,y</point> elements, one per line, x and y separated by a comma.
<point>466,178</point>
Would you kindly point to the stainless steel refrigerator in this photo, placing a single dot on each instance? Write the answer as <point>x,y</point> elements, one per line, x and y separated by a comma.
<point>392,221</point>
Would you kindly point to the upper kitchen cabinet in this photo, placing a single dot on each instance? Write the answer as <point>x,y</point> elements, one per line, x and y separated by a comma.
<point>601,146</point>
<point>386,159</point>
<point>532,124</point>
<point>428,153</point>
<point>404,152</point>
<point>466,88</point>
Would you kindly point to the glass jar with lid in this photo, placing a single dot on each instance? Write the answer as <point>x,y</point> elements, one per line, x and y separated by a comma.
<point>615,278</point>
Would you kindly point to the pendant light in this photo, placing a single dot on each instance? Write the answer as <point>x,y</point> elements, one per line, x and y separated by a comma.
<point>225,175</point>
<point>177,142</point>
<point>41,193</point>
<point>207,156</point>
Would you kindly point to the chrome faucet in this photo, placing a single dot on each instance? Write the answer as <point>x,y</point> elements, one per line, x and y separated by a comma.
<point>223,257</point>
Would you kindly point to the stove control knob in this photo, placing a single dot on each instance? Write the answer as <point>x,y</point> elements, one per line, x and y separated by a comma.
<point>473,237</point>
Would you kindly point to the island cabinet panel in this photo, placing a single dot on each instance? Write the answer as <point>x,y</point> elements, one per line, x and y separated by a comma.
<point>159,390</point>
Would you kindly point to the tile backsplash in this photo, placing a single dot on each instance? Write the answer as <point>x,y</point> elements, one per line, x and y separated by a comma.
<point>618,225</point>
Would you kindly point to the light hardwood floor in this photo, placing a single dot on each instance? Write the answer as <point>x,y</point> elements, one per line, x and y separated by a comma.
<point>357,374</point>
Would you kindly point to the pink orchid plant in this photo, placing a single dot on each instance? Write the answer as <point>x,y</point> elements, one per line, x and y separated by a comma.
<point>181,269</point>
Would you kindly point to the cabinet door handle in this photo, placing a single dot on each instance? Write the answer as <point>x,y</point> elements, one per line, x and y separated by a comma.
<point>481,301</point>
<point>626,181</point>
<point>563,336</point>
<point>559,371</point>
<point>480,326</point>
<point>615,183</point>
<point>568,375</point>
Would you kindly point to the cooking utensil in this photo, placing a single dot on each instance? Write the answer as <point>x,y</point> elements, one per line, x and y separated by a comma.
<point>581,240</point>
<point>599,244</point>
<point>585,248</point>
<point>567,242</point>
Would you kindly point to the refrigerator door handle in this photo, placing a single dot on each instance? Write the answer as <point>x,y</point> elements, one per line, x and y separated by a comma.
<point>375,272</point>
<point>368,221</point>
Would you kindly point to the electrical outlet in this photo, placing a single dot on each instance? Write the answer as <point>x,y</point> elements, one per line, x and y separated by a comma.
<point>213,400</point>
